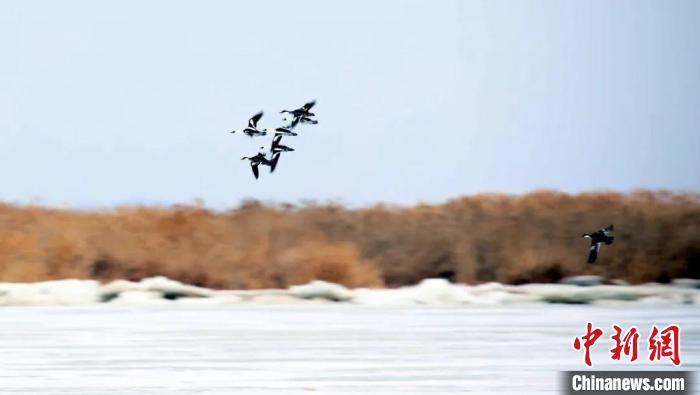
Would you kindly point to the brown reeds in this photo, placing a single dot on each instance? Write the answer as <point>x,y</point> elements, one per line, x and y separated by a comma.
<point>516,239</point>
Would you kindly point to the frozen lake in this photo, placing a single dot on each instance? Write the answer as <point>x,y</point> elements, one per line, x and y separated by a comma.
<point>333,348</point>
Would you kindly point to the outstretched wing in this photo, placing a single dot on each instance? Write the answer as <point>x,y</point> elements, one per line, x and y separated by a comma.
<point>309,105</point>
<point>294,123</point>
<point>276,140</point>
<point>593,254</point>
<point>607,230</point>
<point>256,173</point>
<point>275,159</point>
<point>253,122</point>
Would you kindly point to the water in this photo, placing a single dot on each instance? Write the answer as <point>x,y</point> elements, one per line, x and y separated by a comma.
<point>314,348</point>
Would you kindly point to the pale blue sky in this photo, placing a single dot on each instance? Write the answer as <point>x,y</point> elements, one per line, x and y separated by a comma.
<point>107,103</point>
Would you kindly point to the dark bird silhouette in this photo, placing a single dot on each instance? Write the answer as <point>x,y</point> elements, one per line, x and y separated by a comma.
<point>277,147</point>
<point>294,120</point>
<point>260,159</point>
<point>252,129</point>
<point>307,120</point>
<point>597,239</point>
<point>285,131</point>
<point>303,111</point>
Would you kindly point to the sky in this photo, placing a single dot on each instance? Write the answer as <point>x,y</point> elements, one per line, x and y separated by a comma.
<point>129,102</point>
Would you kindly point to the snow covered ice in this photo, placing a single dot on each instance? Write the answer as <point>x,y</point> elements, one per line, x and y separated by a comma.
<point>159,336</point>
<point>327,348</point>
<point>160,290</point>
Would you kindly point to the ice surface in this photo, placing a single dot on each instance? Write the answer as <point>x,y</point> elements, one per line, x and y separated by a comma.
<point>331,348</point>
<point>161,290</point>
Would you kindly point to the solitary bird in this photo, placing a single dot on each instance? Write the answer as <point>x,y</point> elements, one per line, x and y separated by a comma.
<point>597,239</point>
<point>261,159</point>
<point>303,111</point>
<point>252,129</point>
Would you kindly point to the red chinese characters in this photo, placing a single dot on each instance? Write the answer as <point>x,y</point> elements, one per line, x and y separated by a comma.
<point>662,343</point>
<point>665,344</point>
<point>589,340</point>
<point>627,345</point>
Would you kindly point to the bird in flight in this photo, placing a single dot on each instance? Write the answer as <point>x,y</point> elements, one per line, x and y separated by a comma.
<point>261,159</point>
<point>277,147</point>
<point>301,115</point>
<point>302,111</point>
<point>252,129</point>
<point>598,238</point>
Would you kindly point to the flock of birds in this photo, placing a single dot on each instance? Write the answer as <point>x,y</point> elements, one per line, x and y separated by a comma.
<point>302,115</point>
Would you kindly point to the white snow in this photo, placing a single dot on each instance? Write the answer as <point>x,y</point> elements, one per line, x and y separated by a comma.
<point>583,280</point>
<point>58,292</point>
<point>321,290</point>
<point>162,285</point>
<point>161,290</point>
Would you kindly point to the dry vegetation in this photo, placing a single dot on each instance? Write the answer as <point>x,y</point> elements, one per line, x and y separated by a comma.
<point>530,238</point>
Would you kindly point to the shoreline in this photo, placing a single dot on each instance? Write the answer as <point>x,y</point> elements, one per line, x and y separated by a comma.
<point>164,291</point>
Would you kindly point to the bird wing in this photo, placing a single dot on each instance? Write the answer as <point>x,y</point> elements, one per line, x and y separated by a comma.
<point>597,236</point>
<point>275,159</point>
<point>593,254</point>
<point>309,105</point>
<point>295,121</point>
<point>276,140</point>
<point>253,122</point>
<point>256,173</point>
<point>608,229</point>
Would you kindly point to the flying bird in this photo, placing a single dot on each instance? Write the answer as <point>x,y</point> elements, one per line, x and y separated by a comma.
<point>294,120</point>
<point>260,159</point>
<point>303,111</point>
<point>252,129</point>
<point>597,239</point>
<point>285,131</point>
<point>300,115</point>
<point>276,147</point>
<point>275,150</point>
